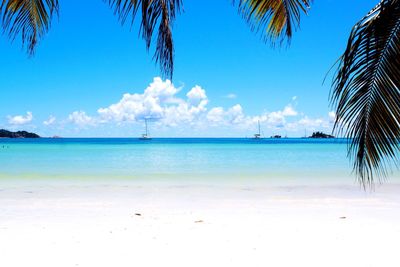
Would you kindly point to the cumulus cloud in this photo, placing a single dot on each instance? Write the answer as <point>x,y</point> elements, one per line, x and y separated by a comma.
<point>167,106</point>
<point>159,103</point>
<point>135,107</point>
<point>278,118</point>
<point>81,119</point>
<point>196,95</point>
<point>20,119</point>
<point>289,111</point>
<point>51,120</point>
<point>197,99</point>
<point>216,115</point>
<point>233,115</point>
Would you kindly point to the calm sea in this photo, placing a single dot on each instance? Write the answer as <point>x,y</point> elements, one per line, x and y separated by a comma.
<point>290,160</point>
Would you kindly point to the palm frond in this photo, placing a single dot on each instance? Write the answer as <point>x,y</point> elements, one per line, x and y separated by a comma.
<point>277,19</point>
<point>155,14</point>
<point>366,91</point>
<point>29,19</point>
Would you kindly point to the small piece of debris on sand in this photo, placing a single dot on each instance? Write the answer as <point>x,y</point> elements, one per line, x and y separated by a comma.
<point>199,221</point>
<point>138,214</point>
<point>343,217</point>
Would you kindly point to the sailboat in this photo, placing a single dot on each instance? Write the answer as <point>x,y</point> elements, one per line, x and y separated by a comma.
<point>305,133</point>
<point>146,135</point>
<point>258,135</point>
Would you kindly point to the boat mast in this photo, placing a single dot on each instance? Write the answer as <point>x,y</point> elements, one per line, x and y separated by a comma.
<point>145,122</point>
<point>259,128</point>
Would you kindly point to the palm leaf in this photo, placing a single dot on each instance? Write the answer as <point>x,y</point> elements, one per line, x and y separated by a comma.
<point>29,19</point>
<point>155,14</point>
<point>366,91</point>
<point>277,19</point>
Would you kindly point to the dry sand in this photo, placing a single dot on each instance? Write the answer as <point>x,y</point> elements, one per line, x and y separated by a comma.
<point>127,224</point>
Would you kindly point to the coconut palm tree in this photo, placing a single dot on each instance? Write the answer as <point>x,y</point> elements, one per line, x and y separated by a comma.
<point>28,18</point>
<point>365,90</point>
<point>275,19</point>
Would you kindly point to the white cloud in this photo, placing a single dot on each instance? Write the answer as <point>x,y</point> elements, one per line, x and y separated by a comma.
<point>216,115</point>
<point>135,107</point>
<point>197,99</point>
<point>332,116</point>
<point>158,102</point>
<point>277,119</point>
<point>20,119</point>
<point>231,96</point>
<point>235,114</point>
<point>313,124</point>
<point>232,116</point>
<point>196,95</point>
<point>162,102</point>
<point>51,120</point>
<point>81,119</point>
<point>308,124</point>
<point>289,111</point>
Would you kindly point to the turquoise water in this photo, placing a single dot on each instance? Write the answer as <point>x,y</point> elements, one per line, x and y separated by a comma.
<point>295,160</point>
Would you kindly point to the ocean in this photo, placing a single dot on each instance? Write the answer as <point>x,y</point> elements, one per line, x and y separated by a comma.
<point>183,160</point>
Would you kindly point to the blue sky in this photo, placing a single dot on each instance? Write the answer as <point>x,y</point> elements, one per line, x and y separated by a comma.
<point>225,79</point>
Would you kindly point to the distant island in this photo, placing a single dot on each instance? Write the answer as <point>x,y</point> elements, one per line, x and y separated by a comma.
<point>19,134</point>
<point>321,135</point>
<point>276,136</point>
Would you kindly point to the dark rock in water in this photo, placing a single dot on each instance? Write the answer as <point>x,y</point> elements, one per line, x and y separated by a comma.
<point>321,135</point>
<point>19,134</point>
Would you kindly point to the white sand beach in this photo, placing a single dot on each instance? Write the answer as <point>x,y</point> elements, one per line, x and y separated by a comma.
<point>128,224</point>
<point>200,133</point>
